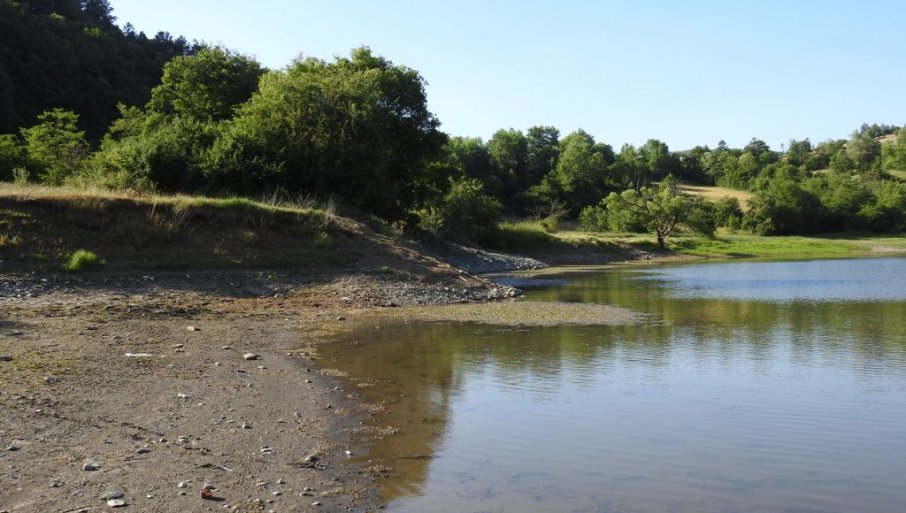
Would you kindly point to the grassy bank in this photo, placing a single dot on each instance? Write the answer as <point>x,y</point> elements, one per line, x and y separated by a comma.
<point>47,227</point>
<point>532,239</point>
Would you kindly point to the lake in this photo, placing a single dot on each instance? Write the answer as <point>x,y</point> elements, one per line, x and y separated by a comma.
<point>750,386</point>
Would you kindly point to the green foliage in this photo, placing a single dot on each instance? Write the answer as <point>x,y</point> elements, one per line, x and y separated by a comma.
<point>593,218</point>
<point>69,54</point>
<point>206,86</point>
<point>660,210</point>
<point>56,148</point>
<point>83,260</point>
<point>466,210</point>
<point>582,175</point>
<point>358,127</point>
<point>12,156</point>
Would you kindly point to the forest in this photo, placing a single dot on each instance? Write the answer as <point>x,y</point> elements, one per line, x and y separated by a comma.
<point>86,103</point>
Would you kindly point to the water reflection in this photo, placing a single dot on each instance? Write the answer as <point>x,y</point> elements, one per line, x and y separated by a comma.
<point>724,402</point>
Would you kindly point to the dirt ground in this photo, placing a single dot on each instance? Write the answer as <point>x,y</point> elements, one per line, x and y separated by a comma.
<point>146,378</point>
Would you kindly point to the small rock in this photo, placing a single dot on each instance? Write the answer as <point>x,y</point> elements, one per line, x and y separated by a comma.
<point>277,494</point>
<point>316,503</point>
<point>309,381</point>
<point>341,318</point>
<point>226,348</point>
<point>261,483</point>
<point>280,481</point>
<point>182,396</point>
<point>178,346</point>
<point>142,450</point>
<point>6,357</point>
<point>89,467</point>
<point>246,426</point>
<point>348,453</point>
<point>182,484</point>
<point>12,448</point>
<point>209,486</point>
<point>55,484</point>
<point>116,503</point>
<point>251,356</point>
<point>113,495</point>
<point>192,328</point>
<point>311,459</point>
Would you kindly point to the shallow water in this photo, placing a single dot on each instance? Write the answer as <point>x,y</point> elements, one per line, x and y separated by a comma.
<point>753,386</point>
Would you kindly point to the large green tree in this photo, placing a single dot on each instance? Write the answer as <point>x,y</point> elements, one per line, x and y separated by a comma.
<point>206,86</point>
<point>358,127</point>
<point>661,210</point>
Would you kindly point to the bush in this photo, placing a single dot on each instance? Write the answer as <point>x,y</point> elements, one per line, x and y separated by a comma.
<point>468,211</point>
<point>83,260</point>
<point>593,218</point>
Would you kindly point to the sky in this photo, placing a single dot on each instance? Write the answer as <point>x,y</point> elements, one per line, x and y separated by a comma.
<point>684,72</point>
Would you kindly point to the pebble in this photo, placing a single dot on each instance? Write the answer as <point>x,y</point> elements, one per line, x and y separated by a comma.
<point>182,396</point>
<point>192,328</point>
<point>6,357</point>
<point>113,495</point>
<point>12,448</point>
<point>311,458</point>
<point>316,503</point>
<point>116,503</point>
<point>277,494</point>
<point>246,426</point>
<point>251,356</point>
<point>89,467</point>
<point>226,348</point>
<point>341,318</point>
<point>142,450</point>
<point>280,481</point>
<point>178,346</point>
<point>182,484</point>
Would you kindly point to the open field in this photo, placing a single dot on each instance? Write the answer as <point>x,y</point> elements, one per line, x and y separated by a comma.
<point>714,193</point>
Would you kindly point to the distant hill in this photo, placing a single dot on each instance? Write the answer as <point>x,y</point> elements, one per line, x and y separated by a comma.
<point>69,54</point>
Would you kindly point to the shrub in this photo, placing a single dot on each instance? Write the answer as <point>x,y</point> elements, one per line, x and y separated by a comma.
<point>83,260</point>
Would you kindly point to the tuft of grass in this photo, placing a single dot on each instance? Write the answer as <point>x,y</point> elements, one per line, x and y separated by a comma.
<point>83,260</point>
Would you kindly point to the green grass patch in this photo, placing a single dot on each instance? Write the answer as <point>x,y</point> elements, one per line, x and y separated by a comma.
<point>742,246</point>
<point>83,260</point>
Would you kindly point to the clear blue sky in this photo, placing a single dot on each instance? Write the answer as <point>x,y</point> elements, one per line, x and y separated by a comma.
<point>685,72</point>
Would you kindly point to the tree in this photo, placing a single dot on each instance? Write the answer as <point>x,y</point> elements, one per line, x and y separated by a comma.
<point>659,209</point>
<point>658,160</point>
<point>206,86</point>
<point>863,151</point>
<point>358,127</point>
<point>543,147</point>
<point>12,156</point>
<point>509,152</point>
<point>55,146</point>
<point>582,174</point>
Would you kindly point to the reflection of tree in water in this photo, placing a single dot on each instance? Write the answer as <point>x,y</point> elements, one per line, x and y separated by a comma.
<point>418,370</point>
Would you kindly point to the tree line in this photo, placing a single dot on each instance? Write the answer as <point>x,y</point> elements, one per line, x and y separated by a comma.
<point>357,128</point>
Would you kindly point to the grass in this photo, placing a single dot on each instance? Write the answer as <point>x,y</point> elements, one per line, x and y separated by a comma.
<point>160,232</point>
<point>84,260</point>
<point>715,193</point>
<point>901,174</point>
<point>725,245</point>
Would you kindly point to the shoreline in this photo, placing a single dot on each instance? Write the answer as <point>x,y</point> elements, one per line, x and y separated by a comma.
<point>72,396</point>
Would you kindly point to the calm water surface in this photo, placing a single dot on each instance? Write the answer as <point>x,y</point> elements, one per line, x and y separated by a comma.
<point>754,387</point>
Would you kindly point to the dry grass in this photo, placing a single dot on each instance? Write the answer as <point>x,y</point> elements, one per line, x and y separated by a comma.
<point>715,193</point>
